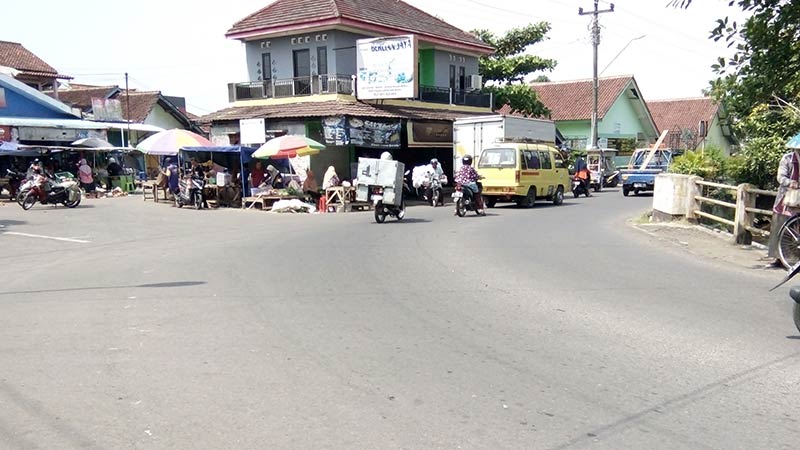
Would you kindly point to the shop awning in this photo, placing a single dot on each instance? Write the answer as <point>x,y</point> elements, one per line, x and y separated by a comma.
<point>76,124</point>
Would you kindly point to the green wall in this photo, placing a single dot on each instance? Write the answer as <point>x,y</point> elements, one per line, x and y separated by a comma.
<point>622,121</point>
<point>427,67</point>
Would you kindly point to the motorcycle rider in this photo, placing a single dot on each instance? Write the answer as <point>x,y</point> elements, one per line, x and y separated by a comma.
<point>468,178</point>
<point>436,172</point>
<point>583,174</point>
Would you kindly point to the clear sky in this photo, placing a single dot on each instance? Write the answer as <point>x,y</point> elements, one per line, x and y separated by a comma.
<point>179,47</point>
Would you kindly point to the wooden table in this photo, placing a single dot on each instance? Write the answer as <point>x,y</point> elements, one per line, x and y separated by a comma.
<point>223,195</point>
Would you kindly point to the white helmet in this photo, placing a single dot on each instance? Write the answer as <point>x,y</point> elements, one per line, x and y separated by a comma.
<point>387,156</point>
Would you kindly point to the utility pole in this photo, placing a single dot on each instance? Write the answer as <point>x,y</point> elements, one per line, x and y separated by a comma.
<point>595,82</point>
<point>128,105</point>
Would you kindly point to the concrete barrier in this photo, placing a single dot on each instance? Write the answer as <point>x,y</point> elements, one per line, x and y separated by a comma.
<point>674,196</point>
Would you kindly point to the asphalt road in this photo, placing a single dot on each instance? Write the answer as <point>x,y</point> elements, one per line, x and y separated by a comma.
<point>550,328</point>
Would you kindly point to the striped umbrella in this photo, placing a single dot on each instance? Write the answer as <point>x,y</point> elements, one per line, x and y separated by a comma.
<point>168,142</point>
<point>794,142</point>
<point>289,146</point>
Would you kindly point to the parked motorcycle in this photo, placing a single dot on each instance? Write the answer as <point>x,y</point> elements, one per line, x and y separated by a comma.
<point>191,192</point>
<point>382,210</point>
<point>579,187</point>
<point>465,200</point>
<point>15,179</point>
<point>794,293</point>
<point>65,192</point>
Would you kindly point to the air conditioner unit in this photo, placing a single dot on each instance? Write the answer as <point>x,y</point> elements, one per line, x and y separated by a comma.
<point>475,82</point>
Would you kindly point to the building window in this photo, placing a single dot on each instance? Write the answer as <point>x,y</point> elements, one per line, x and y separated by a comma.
<point>462,78</point>
<point>452,77</point>
<point>266,66</point>
<point>322,67</point>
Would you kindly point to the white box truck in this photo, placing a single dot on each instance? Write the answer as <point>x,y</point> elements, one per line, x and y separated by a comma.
<point>472,135</point>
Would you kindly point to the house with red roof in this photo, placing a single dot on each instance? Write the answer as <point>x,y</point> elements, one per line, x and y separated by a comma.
<point>302,58</point>
<point>624,120</point>
<point>148,111</point>
<point>693,123</point>
<point>26,67</point>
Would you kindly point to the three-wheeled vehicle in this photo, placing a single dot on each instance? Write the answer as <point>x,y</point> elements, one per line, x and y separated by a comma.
<point>380,181</point>
<point>607,169</point>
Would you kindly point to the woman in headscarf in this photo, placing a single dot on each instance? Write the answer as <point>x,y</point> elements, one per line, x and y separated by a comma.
<point>330,179</point>
<point>274,178</point>
<point>85,176</point>
<point>310,186</point>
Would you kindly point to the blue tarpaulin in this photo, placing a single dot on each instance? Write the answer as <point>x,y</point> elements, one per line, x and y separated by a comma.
<point>244,157</point>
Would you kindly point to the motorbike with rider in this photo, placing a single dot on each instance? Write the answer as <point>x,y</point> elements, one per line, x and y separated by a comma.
<point>468,189</point>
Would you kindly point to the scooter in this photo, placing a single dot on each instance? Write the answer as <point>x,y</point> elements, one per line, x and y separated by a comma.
<point>794,293</point>
<point>66,192</point>
<point>191,192</point>
<point>466,201</point>
<point>14,181</point>
<point>382,209</point>
<point>432,192</point>
<point>579,187</point>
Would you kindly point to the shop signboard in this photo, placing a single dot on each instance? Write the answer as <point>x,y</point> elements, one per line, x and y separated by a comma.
<point>374,133</point>
<point>252,131</point>
<point>2,97</point>
<point>387,67</point>
<point>430,134</point>
<point>335,131</point>
<point>107,109</point>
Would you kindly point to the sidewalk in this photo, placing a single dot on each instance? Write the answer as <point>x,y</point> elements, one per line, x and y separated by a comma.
<point>708,244</point>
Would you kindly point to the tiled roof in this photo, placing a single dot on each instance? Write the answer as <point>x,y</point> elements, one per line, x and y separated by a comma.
<point>331,108</point>
<point>82,97</point>
<point>573,100</point>
<point>13,54</point>
<point>142,104</point>
<point>392,14</point>
<point>682,113</point>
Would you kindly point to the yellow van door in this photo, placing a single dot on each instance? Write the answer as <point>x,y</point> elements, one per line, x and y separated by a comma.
<point>561,171</point>
<point>532,170</point>
<point>546,183</point>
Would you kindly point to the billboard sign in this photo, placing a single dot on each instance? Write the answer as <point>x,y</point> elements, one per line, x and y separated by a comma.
<point>252,131</point>
<point>387,67</point>
<point>107,109</point>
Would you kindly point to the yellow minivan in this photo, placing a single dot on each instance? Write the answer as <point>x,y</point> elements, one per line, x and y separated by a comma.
<point>523,173</point>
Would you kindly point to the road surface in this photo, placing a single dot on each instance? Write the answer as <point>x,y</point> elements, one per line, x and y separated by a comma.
<point>130,325</point>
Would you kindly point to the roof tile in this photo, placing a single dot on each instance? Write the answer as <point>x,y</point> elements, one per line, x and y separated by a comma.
<point>331,108</point>
<point>572,100</point>
<point>395,14</point>
<point>13,54</point>
<point>682,113</point>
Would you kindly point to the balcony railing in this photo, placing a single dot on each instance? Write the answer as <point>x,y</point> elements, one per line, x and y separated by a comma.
<point>343,84</point>
<point>455,97</point>
<point>291,87</point>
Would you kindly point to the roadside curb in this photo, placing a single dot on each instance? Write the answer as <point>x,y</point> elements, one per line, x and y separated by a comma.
<point>707,244</point>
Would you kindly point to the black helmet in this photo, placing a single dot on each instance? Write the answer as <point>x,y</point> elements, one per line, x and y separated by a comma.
<point>467,160</point>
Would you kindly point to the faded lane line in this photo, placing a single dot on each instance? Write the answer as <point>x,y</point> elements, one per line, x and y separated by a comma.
<point>77,241</point>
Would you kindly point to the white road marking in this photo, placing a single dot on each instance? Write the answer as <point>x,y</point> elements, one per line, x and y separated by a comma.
<point>54,238</point>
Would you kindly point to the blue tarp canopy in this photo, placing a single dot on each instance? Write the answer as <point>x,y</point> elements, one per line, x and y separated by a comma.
<point>244,157</point>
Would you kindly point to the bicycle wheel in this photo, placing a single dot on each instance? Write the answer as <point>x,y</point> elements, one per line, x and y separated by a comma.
<point>789,242</point>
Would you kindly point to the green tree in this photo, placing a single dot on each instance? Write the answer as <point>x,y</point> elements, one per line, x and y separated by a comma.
<point>504,71</point>
<point>759,82</point>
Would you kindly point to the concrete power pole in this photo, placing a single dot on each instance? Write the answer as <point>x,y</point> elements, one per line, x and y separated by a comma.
<point>595,82</point>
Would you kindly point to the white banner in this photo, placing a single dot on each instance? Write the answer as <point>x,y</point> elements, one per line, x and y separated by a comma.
<point>387,67</point>
<point>252,131</point>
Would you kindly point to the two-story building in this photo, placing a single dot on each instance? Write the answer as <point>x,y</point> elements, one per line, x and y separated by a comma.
<point>309,69</point>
